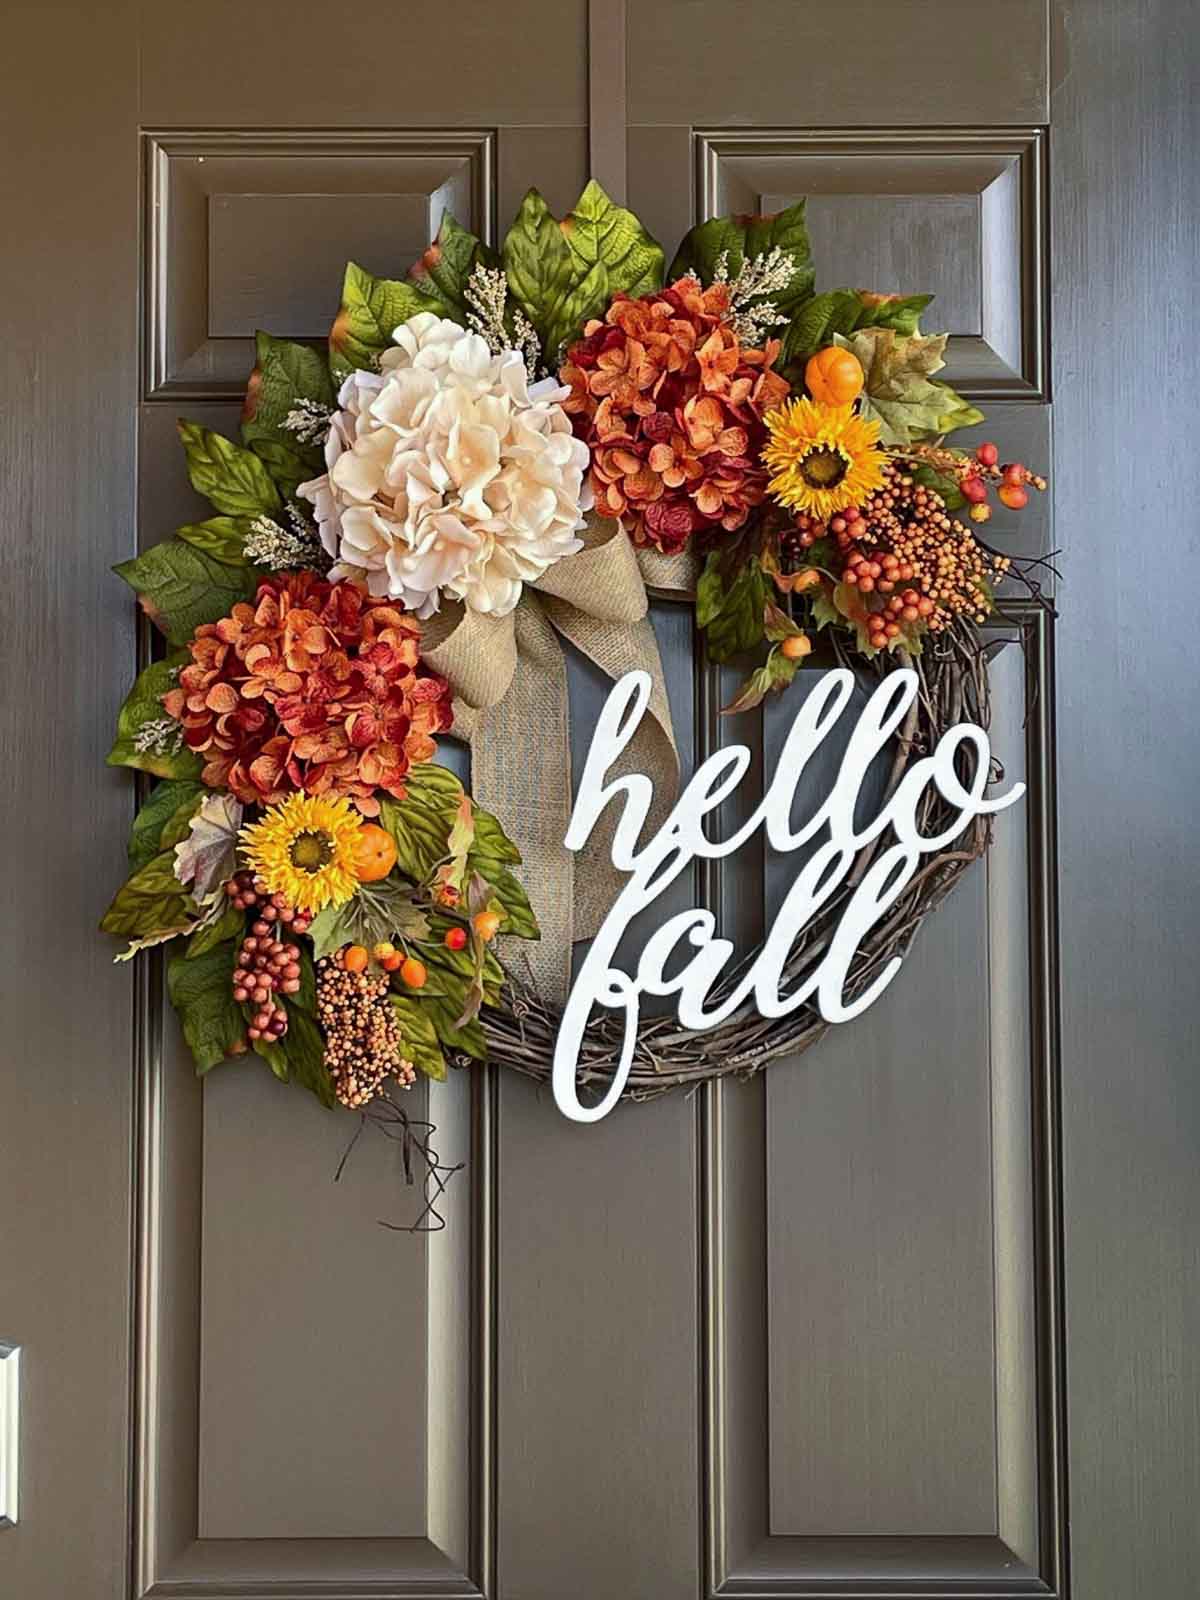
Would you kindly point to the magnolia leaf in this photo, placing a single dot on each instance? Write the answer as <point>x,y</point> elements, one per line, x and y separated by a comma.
<point>419,1037</point>
<point>304,1046</point>
<point>207,857</point>
<point>223,922</point>
<point>519,918</point>
<point>445,1010</point>
<point>166,801</point>
<point>731,614</point>
<point>845,310</point>
<point>142,720</point>
<point>372,309</point>
<point>742,238</point>
<point>288,468</point>
<point>284,375</point>
<point>376,913</point>
<point>442,272</point>
<point>421,823</point>
<point>222,538</point>
<point>492,845</point>
<point>151,901</point>
<point>234,479</point>
<point>600,233</point>
<point>201,992</point>
<point>774,675</point>
<point>179,587</point>
<point>541,272</point>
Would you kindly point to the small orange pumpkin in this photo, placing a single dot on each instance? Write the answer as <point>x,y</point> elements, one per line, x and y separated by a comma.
<point>374,853</point>
<point>833,376</point>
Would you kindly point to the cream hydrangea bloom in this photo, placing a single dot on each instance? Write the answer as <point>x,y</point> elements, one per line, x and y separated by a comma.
<point>447,473</point>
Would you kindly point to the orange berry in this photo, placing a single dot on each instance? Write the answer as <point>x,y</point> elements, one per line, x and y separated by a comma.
<point>833,376</point>
<point>795,647</point>
<point>1013,496</point>
<point>355,958</point>
<point>413,972</point>
<point>392,963</point>
<point>486,925</point>
<point>456,939</point>
<point>374,853</point>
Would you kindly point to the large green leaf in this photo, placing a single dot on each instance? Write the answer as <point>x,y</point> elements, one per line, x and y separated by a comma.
<point>179,587</point>
<point>731,614</point>
<point>151,901</point>
<point>372,308</point>
<point>445,1010</point>
<point>166,802</point>
<point>420,1041</point>
<point>201,992</point>
<point>284,374</point>
<point>234,479</point>
<point>600,233</point>
<point>304,1046</point>
<point>845,310</point>
<point>228,924</point>
<point>492,845</point>
<point>742,238</point>
<point>441,274</point>
<point>542,274</point>
<point>222,538</point>
<point>447,964</point>
<point>422,821</point>
<point>379,911</point>
<point>143,705</point>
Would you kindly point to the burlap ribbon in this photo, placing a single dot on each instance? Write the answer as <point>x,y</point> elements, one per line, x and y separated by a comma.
<point>509,677</point>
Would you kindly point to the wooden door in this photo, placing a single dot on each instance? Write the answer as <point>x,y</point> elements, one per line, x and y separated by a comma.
<point>914,1316</point>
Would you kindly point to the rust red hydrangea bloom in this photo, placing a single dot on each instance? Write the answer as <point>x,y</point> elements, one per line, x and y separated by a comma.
<point>314,686</point>
<point>671,404</point>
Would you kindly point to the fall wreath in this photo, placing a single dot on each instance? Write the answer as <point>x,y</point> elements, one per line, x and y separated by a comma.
<point>502,450</point>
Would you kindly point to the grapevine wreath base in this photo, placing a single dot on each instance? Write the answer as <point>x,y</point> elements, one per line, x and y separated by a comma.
<point>953,681</point>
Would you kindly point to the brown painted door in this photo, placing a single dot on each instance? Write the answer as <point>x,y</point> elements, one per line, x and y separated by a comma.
<point>915,1316</point>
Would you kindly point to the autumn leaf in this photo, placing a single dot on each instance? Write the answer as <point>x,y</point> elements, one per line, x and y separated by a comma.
<point>898,389</point>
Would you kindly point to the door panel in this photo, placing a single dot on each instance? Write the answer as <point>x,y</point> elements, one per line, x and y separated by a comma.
<point>802,1336</point>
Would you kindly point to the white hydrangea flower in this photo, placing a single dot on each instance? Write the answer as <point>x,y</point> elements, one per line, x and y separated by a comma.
<point>448,473</point>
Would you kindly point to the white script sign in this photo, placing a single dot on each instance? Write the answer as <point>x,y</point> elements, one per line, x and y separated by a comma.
<point>681,839</point>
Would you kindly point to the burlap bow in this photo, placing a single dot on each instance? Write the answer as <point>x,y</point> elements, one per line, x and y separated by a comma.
<point>509,677</point>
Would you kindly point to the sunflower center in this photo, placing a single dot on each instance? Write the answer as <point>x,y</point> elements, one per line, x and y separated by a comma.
<point>309,852</point>
<point>823,468</point>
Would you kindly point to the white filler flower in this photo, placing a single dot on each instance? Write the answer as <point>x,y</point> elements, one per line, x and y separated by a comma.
<point>448,473</point>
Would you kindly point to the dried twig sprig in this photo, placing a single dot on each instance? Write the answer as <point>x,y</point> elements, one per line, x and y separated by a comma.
<point>486,292</point>
<point>757,279</point>
<point>280,549</point>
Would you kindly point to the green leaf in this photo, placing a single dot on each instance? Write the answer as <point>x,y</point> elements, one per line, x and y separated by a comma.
<point>519,918</point>
<point>284,374</point>
<point>445,1010</point>
<point>179,824</point>
<point>287,467</point>
<point>273,1053</point>
<point>446,965</point>
<point>731,615</point>
<point>179,587</point>
<point>420,1044</point>
<point>234,479</point>
<point>541,272</point>
<point>845,310</point>
<point>151,901</point>
<point>492,844</point>
<point>421,822</point>
<point>201,993</point>
<point>143,704</point>
<point>941,483</point>
<point>371,310</point>
<point>956,412</point>
<point>228,925</point>
<point>599,233</point>
<point>304,1046</point>
<point>898,390</point>
<point>168,800</point>
<point>379,911</point>
<point>222,538</point>
<point>740,239</point>
<point>442,272</point>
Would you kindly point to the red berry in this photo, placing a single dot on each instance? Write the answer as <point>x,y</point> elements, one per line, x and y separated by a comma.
<point>987,455</point>
<point>1015,473</point>
<point>1013,496</point>
<point>974,489</point>
<point>456,938</point>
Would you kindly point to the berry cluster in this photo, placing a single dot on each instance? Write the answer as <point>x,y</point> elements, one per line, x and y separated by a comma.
<point>249,892</point>
<point>266,966</point>
<point>362,1032</point>
<point>975,473</point>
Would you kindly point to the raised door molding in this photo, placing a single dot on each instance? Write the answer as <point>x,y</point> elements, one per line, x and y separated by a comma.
<point>956,212</point>
<point>10,1431</point>
<point>250,230</point>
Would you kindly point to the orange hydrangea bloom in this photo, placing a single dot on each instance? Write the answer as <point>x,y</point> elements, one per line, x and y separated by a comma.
<point>671,405</point>
<point>315,687</point>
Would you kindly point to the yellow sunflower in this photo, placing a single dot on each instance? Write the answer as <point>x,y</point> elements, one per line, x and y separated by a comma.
<point>823,458</point>
<point>304,850</point>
